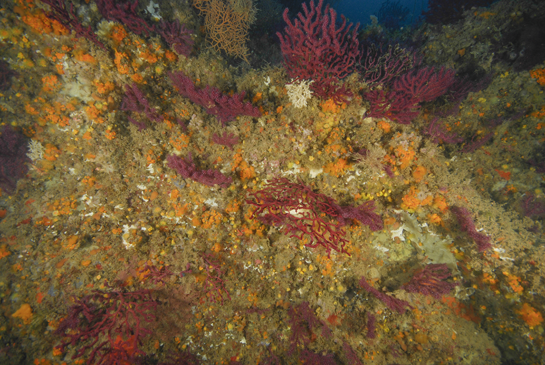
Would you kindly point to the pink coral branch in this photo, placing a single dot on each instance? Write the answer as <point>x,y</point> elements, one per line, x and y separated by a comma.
<point>393,105</point>
<point>189,170</point>
<point>314,48</point>
<point>229,140</point>
<point>438,133</point>
<point>425,84</point>
<point>71,21</point>
<point>394,304</point>
<point>380,67</point>
<point>214,284</point>
<point>225,107</point>
<point>135,101</point>
<point>302,212</point>
<point>430,281</point>
<point>106,324</point>
<point>466,222</point>
<point>177,36</point>
<point>124,13</point>
<point>364,213</point>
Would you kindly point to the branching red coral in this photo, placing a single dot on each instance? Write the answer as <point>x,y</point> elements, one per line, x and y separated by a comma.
<point>189,170</point>
<point>394,304</point>
<point>438,133</point>
<point>306,214</point>
<point>124,13</point>
<point>314,49</point>
<point>380,66</point>
<point>303,213</point>
<point>226,139</point>
<point>156,275</point>
<point>135,101</point>
<point>108,326</point>
<point>225,107</point>
<point>177,36</point>
<point>71,21</point>
<point>430,281</point>
<point>466,222</point>
<point>401,102</point>
<point>393,105</point>
<point>302,322</point>
<point>364,213</point>
<point>425,84</point>
<point>214,285</point>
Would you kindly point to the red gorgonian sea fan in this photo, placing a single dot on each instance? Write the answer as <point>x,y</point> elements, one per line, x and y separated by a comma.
<point>188,169</point>
<point>315,47</point>
<point>214,102</point>
<point>70,20</point>
<point>430,281</point>
<point>107,327</point>
<point>401,102</point>
<point>309,216</point>
<point>398,305</point>
<point>467,225</point>
<point>177,35</point>
<point>125,13</point>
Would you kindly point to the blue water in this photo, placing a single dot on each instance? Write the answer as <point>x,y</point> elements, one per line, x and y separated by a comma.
<point>360,11</point>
